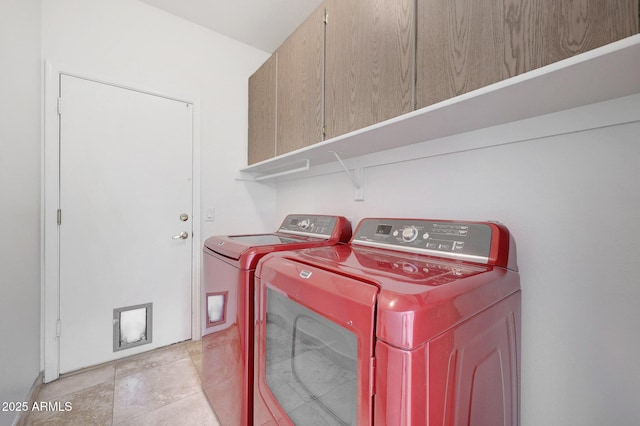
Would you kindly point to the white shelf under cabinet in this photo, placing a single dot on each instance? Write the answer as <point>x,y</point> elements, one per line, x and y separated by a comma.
<point>605,73</point>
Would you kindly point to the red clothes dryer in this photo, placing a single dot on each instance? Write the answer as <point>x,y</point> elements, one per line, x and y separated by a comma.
<point>228,305</point>
<point>415,322</point>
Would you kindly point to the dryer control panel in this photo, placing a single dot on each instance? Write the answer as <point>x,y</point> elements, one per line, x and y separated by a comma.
<point>309,225</point>
<point>470,241</point>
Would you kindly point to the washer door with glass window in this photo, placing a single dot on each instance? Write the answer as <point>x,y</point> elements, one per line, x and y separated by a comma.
<point>314,342</point>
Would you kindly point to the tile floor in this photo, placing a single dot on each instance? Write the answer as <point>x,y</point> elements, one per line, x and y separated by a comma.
<point>161,387</point>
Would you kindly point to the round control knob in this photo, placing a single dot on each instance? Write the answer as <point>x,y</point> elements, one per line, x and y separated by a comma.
<point>409,234</point>
<point>304,224</point>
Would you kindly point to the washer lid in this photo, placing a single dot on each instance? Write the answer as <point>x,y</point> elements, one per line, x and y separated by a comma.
<point>233,246</point>
<point>296,232</point>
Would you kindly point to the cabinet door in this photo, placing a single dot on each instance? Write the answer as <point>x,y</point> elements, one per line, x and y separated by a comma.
<point>576,26</point>
<point>370,63</point>
<point>300,85</point>
<point>262,112</point>
<point>460,47</point>
<point>463,45</point>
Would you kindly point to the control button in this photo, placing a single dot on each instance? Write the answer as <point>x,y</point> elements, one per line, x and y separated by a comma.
<point>409,268</point>
<point>425,236</point>
<point>409,234</point>
<point>432,245</point>
<point>395,233</point>
<point>444,247</point>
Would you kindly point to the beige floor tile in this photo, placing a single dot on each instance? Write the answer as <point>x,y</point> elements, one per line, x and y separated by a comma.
<point>153,388</point>
<point>194,347</point>
<point>151,359</point>
<point>161,387</point>
<point>193,410</point>
<point>92,406</point>
<point>197,363</point>
<point>77,381</point>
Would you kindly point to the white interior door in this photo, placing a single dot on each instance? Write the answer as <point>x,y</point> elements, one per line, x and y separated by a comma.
<point>125,194</point>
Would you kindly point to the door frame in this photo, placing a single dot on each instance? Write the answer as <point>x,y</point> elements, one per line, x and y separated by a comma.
<point>50,202</point>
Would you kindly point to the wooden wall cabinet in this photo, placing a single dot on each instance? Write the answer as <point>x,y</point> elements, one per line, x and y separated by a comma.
<point>300,86</point>
<point>262,113</point>
<point>570,27</point>
<point>373,61</point>
<point>463,45</point>
<point>369,63</point>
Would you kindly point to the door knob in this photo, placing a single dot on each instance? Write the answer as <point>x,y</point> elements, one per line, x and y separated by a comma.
<point>181,236</point>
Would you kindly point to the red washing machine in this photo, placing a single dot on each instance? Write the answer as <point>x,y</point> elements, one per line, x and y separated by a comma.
<point>228,306</point>
<point>415,322</point>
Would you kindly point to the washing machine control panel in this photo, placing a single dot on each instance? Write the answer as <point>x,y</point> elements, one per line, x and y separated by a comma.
<point>456,240</point>
<point>316,226</point>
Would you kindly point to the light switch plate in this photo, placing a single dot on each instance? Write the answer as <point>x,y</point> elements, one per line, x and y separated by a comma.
<point>210,214</point>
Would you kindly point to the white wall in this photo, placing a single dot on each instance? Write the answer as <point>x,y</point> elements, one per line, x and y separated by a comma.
<point>572,202</point>
<point>129,42</point>
<point>19,200</point>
